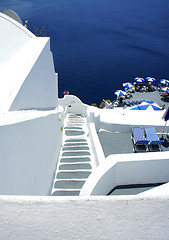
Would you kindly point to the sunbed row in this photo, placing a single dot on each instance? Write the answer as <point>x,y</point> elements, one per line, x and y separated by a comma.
<point>136,102</point>
<point>145,137</point>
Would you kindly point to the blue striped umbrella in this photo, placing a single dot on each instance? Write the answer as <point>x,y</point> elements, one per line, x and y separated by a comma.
<point>164,81</point>
<point>140,80</point>
<point>150,79</point>
<point>149,106</point>
<point>120,93</point>
<point>165,89</point>
<point>127,85</point>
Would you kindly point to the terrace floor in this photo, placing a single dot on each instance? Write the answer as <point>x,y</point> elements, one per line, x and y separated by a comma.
<point>153,96</point>
<point>117,143</point>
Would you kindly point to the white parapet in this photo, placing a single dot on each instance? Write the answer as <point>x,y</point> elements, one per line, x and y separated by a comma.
<point>126,169</point>
<point>123,218</point>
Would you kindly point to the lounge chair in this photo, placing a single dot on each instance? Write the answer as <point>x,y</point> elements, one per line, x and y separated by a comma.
<point>153,139</point>
<point>139,139</point>
<point>128,103</point>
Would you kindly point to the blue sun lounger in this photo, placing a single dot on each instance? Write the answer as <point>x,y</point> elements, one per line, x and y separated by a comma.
<point>153,139</point>
<point>128,103</point>
<point>139,138</point>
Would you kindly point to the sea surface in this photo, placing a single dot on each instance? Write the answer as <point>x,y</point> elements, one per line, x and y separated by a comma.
<point>99,44</point>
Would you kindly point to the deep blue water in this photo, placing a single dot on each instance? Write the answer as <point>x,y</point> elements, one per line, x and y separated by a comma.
<point>99,44</point>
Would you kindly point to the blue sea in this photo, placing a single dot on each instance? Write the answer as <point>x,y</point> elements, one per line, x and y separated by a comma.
<point>99,44</point>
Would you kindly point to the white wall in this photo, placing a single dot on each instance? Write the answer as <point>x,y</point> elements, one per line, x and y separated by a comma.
<point>122,120</point>
<point>73,104</point>
<point>40,88</point>
<point>125,169</point>
<point>28,155</point>
<point>107,218</point>
<point>13,37</point>
<point>93,116</point>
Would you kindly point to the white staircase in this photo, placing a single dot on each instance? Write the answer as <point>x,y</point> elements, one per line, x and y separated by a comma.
<point>75,161</point>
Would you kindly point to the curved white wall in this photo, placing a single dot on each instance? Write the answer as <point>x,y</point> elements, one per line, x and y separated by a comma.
<point>125,169</point>
<point>73,104</point>
<point>13,37</point>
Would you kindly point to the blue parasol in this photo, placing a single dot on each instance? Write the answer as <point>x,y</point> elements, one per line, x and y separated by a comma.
<point>127,85</point>
<point>120,93</point>
<point>150,79</point>
<point>165,89</point>
<point>140,80</point>
<point>164,81</point>
<point>147,106</point>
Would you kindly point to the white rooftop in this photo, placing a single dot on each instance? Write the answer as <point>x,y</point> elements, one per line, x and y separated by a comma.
<point>14,36</point>
<point>20,55</point>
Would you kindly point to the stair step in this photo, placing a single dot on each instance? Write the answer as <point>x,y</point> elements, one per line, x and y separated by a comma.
<point>74,123</point>
<point>78,119</point>
<point>75,166</point>
<point>69,184</point>
<point>75,116</point>
<point>77,159</point>
<point>75,144</point>
<point>76,140</point>
<point>73,133</point>
<point>74,148</point>
<point>70,124</point>
<point>65,193</point>
<point>73,128</point>
<point>80,153</point>
<point>73,175</point>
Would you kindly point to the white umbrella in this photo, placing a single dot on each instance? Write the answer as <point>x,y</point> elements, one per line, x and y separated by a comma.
<point>127,85</point>
<point>120,93</point>
<point>164,81</point>
<point>150,79</point>
<point>140,80</point>
<point>147,106</point>
<point>165,89</point>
